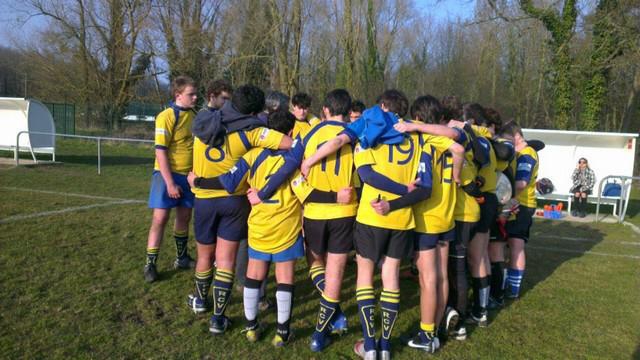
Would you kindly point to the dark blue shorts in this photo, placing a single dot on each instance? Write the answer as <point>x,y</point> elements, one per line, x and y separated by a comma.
<point>519,228</point>
<point>429,241</point>
<point>159,197</point>
<point>291,253</point>
<point>224,217</point>
<point>488,213</point>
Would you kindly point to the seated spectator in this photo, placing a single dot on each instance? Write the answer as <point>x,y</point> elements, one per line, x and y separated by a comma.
<point>583,181</point>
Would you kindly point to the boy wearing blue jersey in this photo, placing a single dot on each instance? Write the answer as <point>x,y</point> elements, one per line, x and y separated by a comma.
<point>169,187</point>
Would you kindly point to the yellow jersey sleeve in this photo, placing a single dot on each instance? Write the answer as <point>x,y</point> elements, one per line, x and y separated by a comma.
<point>482,131</point>
<point>313,120</point>
<point>164,128</point>
<point>300,129</point>
<point>264,137</point>
<point>527,170</point>
<point>436,214</point>
<point>301,187</point>
<point>174,136</point>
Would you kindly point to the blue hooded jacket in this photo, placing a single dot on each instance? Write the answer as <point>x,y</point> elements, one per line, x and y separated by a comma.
<point>374,127</point>
<point>211,127</point>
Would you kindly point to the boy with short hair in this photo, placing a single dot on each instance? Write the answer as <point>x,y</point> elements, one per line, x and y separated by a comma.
<point>383,233</point>
<point>169,187</point>
<point>218,91</point>
<point>328,227</point>
<point>222,138</point>
<point>435,226</point>
<point>357,108</point>
<point>518,228</point>
<point>300,105</point>
<point>274,232</point>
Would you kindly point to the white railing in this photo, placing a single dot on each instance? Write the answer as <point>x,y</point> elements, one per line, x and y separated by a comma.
<point>625,191</point>
<point>99,139</point>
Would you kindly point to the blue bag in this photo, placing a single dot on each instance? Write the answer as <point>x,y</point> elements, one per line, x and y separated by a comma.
<point>612,189</point>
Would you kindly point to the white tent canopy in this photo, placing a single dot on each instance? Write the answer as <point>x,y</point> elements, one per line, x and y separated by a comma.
<point>18,114</point>
<point>607,153</point>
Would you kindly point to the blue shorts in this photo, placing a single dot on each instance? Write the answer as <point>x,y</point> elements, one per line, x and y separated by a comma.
<point>224,217</point>
<point>291,253</point>
<point>429,241</point>
<point>159,197</point>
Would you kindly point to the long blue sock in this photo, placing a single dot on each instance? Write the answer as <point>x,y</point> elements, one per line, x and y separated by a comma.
<point>389,306</point>
<point>221,292</point>
<point>514,280</point>
<point>328,308</point>
<point>316,273</point>
<point>366,310</point>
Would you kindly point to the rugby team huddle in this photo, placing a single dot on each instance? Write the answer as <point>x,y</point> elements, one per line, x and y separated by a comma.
<point>394,182</point>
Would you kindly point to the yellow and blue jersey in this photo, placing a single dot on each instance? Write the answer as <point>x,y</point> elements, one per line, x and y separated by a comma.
<point>333,173</point>
<point>173,134</point>
<point>527,170</point>
<point>302,127</point>
<point>435,215</point>
<point>401,163</point>
<point>275,223</point>
<point>313,120</point>
<point>211,161</point>
<point>488,170</point>
<point>467,208</point>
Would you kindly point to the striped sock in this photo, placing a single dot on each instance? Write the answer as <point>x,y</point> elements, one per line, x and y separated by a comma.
<point>366,309</point>
<point>181,237</point>
<point>203,283</point>
<point>328,308</point>
<point>152,255</point>
<point>221,292</point>
<point>317,276</point>
<point>389,305</point>
<point>514,280</point>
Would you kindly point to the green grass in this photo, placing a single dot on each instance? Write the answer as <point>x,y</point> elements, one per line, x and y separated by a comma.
<point>71,284</point>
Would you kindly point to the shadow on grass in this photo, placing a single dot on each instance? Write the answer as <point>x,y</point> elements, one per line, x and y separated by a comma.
<point>552,243</point>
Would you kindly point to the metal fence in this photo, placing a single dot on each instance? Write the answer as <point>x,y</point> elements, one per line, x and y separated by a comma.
<point>64,116</point>
<point>99,139</point>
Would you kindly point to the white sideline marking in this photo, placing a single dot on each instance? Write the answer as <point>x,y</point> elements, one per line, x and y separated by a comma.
<point>580,252</point>
<point>67,194</point>
<point>67,210</point>
<point>563,238</point>
<point>632,226</point>
<point>580,239</point>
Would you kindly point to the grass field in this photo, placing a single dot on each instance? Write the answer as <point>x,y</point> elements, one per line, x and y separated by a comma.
<point>72,247</point>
